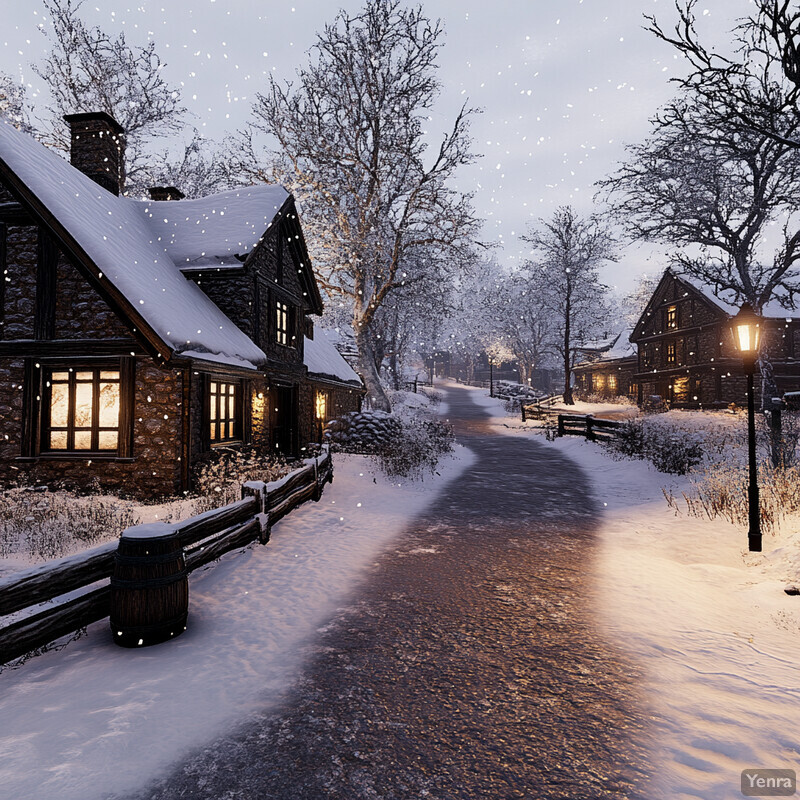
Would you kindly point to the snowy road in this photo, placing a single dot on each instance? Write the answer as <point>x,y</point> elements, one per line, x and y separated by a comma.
<point>468,665</point>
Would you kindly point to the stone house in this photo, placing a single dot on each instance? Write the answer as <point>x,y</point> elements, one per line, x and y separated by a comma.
<point>686,352</point>
<point>607,367</point>
<point>136,336</point>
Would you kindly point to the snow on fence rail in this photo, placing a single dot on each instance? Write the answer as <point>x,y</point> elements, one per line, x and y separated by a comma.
<point>587,426</point>
<point>203,538</point>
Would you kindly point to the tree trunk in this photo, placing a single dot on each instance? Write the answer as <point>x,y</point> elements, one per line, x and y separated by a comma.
<point>376,396</point>
<point>568,401</point>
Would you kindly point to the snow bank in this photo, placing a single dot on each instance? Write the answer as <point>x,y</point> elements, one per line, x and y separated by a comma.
<point>93,719</point>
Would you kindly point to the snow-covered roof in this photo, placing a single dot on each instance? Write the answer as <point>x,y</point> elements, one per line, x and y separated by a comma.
<point>771,309</point>
<point>117,237</point>
<point>618,345</point>
<point>213,230</point>
<point>323,359</point>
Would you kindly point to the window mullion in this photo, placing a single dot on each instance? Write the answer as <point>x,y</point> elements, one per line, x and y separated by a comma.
<point>71,411</point>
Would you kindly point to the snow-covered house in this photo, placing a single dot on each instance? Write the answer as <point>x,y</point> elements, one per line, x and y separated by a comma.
<point>137,336</point>
<point>606,367</point>
<point>686,352</point>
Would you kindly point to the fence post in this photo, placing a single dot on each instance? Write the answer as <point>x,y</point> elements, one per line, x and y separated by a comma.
<point>258,489</point>
<point>776,445</point>
<point>522,406</point>
<point>560,424</point>
<point>589,430</point>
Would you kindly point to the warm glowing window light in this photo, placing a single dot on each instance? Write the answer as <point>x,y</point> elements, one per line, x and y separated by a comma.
<point>322,405</point>
<point>222,411</point>
<point>83,410</point>
<point>672,317</point>
<point>282,323</point>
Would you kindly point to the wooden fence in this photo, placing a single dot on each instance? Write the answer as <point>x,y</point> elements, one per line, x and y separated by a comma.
<point>204,538</point>
<point>588,426</point>
<point>543,407</point>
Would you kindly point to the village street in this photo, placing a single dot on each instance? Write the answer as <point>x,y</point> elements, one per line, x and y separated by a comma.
<point>468,665</point>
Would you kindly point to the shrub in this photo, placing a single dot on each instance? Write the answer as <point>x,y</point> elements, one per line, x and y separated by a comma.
<point>46,525</point>
<point>415,448</point>
<point>722,491</point>
<point>675,452</point>
<point>218,478</point>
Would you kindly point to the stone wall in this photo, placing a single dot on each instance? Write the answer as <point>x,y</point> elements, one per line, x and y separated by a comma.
<point>156,467</point>
<point>20,288</point>
<point>80,311</point>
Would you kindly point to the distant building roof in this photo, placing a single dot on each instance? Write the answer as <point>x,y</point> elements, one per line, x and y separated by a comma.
<point>612,347</point>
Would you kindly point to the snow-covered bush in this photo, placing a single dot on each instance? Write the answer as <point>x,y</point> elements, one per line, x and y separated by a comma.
<point>675,452</point>
<point>40,525</point>
<point>362,431</point>
<point>218,478</point>
<point>416,448</point>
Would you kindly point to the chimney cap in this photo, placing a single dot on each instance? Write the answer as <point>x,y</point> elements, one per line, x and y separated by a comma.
<point>92,116</point>
<point>165,193</point>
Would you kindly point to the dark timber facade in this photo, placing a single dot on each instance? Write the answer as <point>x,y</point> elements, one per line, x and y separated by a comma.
<point>89,396</point>
<point>686,352</point>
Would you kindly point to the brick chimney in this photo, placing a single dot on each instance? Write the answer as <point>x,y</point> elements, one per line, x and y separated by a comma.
<point>97,148</point>
<point>165,193</point>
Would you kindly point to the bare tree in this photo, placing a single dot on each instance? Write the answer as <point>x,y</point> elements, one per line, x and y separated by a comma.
<point>525,322</point>
<point>756,84</point>
<point>568,252</point>
<point>698,181</point>
<point>89,70</point>
<point>197,171</point>
<point>350,142</point>
<point>13,103</point>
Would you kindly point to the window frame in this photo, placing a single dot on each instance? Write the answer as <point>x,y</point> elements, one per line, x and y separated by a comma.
<point>234,411</point>
<point>672,317</point>
<point>36,432</point>
<point>285,335</point>
<point>671,353</point>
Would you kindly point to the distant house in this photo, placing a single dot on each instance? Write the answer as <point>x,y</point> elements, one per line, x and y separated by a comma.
<point>607,366</point>
<point>686,352</point>
<point>138,336</point>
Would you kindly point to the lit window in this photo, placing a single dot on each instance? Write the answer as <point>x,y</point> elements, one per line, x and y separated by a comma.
<point>223,412</point>
<point>672,317</point>
<point>671,350</point>
<point>322,405</point>
<point>282,323</point>
<point>82,410</point>
<point>612,383</point>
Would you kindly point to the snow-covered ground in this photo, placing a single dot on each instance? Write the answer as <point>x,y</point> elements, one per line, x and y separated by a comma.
<point>93,720</point>
<point>717,636</point>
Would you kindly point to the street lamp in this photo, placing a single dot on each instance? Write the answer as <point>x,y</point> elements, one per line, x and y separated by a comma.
<point>746,328</point>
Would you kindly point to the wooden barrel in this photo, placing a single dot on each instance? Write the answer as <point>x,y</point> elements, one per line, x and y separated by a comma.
<point>149,587</point>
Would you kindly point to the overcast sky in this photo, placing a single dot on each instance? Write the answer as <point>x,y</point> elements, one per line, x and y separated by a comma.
<point>563,84</point>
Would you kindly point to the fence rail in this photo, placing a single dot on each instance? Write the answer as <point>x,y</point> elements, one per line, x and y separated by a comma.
<point>588,426</point>
<point>203,538</point>
<point>543,407</point>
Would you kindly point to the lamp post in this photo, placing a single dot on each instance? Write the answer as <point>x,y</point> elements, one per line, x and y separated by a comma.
<point>746,330</point>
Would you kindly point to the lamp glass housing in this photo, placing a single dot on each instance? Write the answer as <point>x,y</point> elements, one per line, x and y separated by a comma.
<point>746,329</point>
